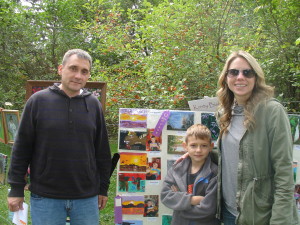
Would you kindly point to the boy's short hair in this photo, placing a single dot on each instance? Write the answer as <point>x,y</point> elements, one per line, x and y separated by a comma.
<point>199,131</point>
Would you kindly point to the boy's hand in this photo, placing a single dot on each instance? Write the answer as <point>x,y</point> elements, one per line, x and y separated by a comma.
<point>195,200</point>
<point>174,188</point>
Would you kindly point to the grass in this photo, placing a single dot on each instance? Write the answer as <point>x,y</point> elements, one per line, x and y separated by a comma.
<point>106,215</point>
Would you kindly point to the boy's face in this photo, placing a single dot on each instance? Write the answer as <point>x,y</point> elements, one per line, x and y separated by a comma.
<point>198,149</point>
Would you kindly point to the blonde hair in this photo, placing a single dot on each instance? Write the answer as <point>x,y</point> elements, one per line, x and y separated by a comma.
<point>198,131</point>
<point>260,93</point>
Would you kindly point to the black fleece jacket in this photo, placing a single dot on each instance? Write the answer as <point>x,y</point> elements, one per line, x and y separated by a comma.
<point>65,142</point>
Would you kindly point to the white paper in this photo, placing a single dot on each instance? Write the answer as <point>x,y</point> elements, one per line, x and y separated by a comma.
<point>205,104</point>
<point>21,216</point>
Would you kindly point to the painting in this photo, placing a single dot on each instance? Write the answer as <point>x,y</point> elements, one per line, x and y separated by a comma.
<point>295,128</point>
<point>131,222</point>
<point>209,120</point>
<point>151,207</point>
<point>98,89</point>
<point>11,124</point>
<point>153,143</point>
<point>2,131</point>
<point>166,219</point>
<point>154,169</point>
<point>180,120</point>
<point>133,205</point>
<point>133,118</point>
<point>132,182</point>
<point>175,144</point>
<point>133,162</point>
<point>3,166</point>
<point>132,140</point>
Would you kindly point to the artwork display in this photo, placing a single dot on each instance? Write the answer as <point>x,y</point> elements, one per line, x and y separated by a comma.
<point>11,120</point>
<point>145,158</point>
<point>98,89</point>
<point>150,141</point>
<point>3,167</point>
<point>2,129</point>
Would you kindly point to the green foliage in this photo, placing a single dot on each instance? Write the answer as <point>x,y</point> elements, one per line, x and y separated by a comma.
<point>152,53</point>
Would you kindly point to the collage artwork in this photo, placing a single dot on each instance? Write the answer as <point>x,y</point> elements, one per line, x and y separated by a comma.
<point>146,156</point>
<point>145,159</point>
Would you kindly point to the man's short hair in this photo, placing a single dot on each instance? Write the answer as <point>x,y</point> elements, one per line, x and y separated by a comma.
<point>80,54</point>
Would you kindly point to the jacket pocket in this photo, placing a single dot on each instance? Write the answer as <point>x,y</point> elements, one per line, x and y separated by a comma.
<point>257,203</point>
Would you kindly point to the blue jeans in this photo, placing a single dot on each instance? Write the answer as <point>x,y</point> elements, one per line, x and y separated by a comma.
<point>228,218</point>
<point>49,211</point>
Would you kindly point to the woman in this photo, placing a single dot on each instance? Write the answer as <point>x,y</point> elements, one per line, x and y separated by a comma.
<point>255,182</point>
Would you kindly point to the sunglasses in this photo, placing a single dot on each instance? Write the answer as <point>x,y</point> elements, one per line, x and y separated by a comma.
<point>234,73</point>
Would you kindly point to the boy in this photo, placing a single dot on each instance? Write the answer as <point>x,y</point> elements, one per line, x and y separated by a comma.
<point>190,187</point>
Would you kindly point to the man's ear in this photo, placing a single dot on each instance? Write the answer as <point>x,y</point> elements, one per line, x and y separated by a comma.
<point>59,69</point>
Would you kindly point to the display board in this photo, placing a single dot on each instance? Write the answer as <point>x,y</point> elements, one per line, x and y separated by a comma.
<point>96,88</point>
<point>149,143</point>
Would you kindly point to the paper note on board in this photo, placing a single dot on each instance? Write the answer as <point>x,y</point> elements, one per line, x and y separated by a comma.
<point>205,104</point>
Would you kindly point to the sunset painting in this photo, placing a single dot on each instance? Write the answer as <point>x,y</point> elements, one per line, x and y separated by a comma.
<point>130,161</point>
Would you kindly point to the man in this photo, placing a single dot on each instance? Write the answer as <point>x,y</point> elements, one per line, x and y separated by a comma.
<point>63,137</point>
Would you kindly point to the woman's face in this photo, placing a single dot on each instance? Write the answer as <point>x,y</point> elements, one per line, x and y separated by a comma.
<point>240,85</point>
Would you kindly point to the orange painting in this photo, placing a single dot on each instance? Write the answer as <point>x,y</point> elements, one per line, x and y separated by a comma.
<point>133,161</point>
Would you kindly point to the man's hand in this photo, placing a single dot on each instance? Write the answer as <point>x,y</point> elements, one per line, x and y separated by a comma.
<point>181,158</point>
<point>102,200</point>
<point>15,203</point>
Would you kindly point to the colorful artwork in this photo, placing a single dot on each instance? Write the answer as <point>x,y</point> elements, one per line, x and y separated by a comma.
<point>151,206</point>
<point>132,182</point>
<point>166,219</point>
<point>209,120</point>
<point>132,140</point>
<point>131,222</point>
<point>11,124</point>
<point>154,169</point>
<point>180,120</point>
<point>2,131</point>
<point>133,205</point>
<point>153,143</point>
<point>136,162</point>
<point>133,118</point>
<point>295,128</point>
<point>3,166</point>
<point>175,144</point>
<point>295,165</point>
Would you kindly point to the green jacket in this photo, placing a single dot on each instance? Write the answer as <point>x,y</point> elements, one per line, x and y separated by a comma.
<point>265,184</point>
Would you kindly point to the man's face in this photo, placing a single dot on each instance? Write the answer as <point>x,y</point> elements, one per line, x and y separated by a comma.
<point>74,75</point>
